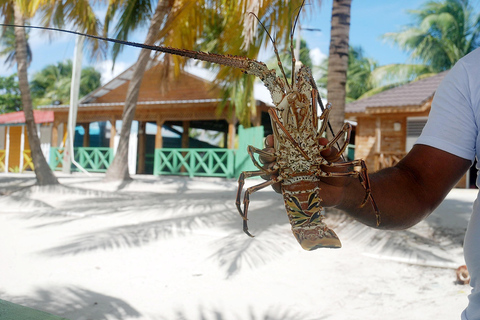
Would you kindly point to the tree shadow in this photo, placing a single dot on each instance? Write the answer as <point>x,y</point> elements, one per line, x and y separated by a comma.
<point>273,313</point>
<point>140,234</point>
<point>10,184</point>
<point>436,241</point>
<point>164,215</point>
<point>76,303</point>
<point>272,239</point>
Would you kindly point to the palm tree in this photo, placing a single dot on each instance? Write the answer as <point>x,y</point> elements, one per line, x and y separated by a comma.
<point>81,15</point>
<point>183,26</point>
<point>7,41</point>
<point>442,33</point>
<point>52,84</point>
<point>338,61</point>
<point>360,70</point>
<point>118,170</point>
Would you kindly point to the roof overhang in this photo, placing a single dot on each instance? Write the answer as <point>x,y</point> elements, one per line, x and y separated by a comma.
<point>18,118</point>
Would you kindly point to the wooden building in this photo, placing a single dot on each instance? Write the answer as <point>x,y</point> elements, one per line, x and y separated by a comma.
<point>389,123</point>
<point>187,101</point>
<point>15,155</point>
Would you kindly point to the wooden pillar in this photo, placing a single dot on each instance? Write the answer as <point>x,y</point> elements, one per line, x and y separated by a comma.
<point>113,132</point>
<point>225,137</point>
<point>86,136</point>
<point>142,146</point>
<point>158,136</point>
<point>231,135</point>
<point>378,135</point>
<point>54,141</point>
<point>185,136</point>
<point>65,132</point>
<point>257,117</point>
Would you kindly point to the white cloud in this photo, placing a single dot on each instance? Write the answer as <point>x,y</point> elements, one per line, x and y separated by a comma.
<point>317,56</point>
<point>105,68</point>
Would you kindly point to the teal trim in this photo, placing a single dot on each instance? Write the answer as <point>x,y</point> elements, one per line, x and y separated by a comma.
<point>247,137</point>
<point>351,152</point>
<point>195,162</point>
<point>91,159</point>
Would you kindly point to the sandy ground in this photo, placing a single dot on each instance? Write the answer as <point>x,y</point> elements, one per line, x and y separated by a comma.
<point>173,248</point>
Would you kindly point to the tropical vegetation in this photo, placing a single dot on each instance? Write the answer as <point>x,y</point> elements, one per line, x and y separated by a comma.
<point>441,33</point>
<point>10,99</point>
<point>182,25</point>
<point>56,13</point>
<point>51,85</point>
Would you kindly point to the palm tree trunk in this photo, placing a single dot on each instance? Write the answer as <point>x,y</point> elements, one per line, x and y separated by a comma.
<point>338,61</point>
<point>119,168</point>
<point>43,172</point>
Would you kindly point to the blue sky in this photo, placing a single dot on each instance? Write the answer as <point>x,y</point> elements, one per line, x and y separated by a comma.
<point>370,19</point>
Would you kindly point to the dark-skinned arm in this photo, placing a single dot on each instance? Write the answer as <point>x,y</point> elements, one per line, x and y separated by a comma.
<point>405,194</point>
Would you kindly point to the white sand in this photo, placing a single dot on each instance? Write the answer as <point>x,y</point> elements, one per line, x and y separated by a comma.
<point>173,248</point>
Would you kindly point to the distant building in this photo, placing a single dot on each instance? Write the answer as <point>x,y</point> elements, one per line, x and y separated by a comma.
<point>389,123</point>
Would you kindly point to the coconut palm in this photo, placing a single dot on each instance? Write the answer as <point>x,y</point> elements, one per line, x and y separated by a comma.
<point>7,42</point>
<point>10,99</point>
<point>338,61</point>
<point>182,25</point>
<point>442,33</point>
<point>359,74</point>
<point>81,15</point>
<point>52,84</point>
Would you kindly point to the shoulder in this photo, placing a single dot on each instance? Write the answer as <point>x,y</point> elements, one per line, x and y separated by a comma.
<point>464,75</point>
<point>462,81</point>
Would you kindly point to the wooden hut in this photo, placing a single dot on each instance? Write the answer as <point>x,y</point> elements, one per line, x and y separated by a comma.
<point>15,155</point>
<point>389,123</point>
<point>187,101</point>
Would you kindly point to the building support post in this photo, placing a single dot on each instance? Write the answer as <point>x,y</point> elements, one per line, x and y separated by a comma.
<point>142,146</point>
<point>86,136</point>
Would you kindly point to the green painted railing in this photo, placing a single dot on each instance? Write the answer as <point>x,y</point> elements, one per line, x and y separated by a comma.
<point>195,162</point>
<point>91,159</point>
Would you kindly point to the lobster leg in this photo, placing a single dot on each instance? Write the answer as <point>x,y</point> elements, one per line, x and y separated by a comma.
<point>347,127</point>
<point>241,183</point>
<point>251,150</point>
<point>246,201</point>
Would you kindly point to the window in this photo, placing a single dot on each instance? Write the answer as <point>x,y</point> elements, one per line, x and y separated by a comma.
<point>414,129</point>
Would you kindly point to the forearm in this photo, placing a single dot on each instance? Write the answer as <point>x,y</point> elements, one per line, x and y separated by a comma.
<point>407,193</point>
<point>400,204</point>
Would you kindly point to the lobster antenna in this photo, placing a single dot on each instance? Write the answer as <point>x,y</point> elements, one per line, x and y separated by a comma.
<point>294,61</point>
<point>280,66</point>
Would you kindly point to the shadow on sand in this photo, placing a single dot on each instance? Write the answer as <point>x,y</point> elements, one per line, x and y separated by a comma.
<point>140,218</point>
<point>76,303</point>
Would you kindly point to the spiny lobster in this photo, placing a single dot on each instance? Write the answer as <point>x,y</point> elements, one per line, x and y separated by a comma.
<point>296,131</point>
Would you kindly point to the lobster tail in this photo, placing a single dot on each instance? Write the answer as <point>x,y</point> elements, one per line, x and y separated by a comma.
<point>313,237</point>
<point>305,216</point>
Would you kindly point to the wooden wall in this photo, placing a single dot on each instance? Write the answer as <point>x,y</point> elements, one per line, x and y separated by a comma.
<point>392,130</point>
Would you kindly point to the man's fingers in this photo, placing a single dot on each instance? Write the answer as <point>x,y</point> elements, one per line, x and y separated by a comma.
<point>269,141</point>
<point>329,154</point>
